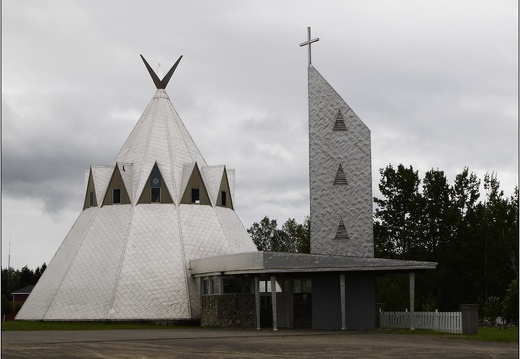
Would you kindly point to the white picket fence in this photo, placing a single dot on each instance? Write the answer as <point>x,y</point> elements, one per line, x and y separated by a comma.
<point>450,322</point>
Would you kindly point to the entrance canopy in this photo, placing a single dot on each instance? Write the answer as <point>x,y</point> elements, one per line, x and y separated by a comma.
<point>276,262</point>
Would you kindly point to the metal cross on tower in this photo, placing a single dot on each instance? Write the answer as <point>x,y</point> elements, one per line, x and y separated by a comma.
<point>309,42</point>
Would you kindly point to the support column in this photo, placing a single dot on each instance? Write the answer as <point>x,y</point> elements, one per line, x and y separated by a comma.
<point>257,302</point>
<point>273,301</point>
<point>243,302</point>
<point>343,302</point>
<point>412,301</point>
<point>290,302</point>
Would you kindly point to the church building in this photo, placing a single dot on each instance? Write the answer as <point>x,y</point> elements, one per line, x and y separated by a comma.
<point>158,237</point>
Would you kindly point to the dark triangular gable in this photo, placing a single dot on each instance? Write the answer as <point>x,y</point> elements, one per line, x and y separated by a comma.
<point>90,195</point>
<point>116,182</point>
<point>224,192</point>
<point>196,183</point>
<point>341,232</point>
<point>340,179</point>
<point>339,124</point>
<point>155,180</point>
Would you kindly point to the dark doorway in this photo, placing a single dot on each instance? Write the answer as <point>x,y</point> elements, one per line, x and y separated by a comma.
<point>266,311</point>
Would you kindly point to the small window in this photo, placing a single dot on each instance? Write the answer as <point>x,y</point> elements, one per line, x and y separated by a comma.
<point>156,195</point>
<point>195,197</point>
<point>205,286</point>
<point>265,286</point>
<point>116,196</point>
<point>302,285</point>
<point>91,199</point>
<point>224,199</point>
<point>215,286</point>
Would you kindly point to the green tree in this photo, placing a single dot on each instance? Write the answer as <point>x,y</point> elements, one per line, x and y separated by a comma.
<point>7,305</point>
<point>26,277</point>
<point>500,232</point>
<point>397,214</point>
<point>492,308</point>
<point>292,237</point>
<point>437,217</point>
<point>263,234</point>
<point>297,236</point>
<point>510,303</point>
<point>465,192</point>
<point>475,243</point>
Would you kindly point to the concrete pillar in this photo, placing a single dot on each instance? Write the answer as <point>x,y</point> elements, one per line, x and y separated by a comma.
<point>273,301</point>
<point>257,302</point>
<point>469,318</point>
<point>343,302</point>
<point>290,302</point>
<point>412,301</point>
<point>243,302</point>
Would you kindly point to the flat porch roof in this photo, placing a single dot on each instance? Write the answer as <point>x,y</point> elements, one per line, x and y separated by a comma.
<point>277,262</point>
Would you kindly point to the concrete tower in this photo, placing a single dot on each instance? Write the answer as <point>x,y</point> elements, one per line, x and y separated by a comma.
<point>340,174</point>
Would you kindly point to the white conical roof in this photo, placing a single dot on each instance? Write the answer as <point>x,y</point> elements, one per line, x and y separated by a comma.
<point>129,260</point>
<point>160,136</point>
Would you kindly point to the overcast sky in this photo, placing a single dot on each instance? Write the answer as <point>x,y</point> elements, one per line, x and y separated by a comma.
<point>435,81</point>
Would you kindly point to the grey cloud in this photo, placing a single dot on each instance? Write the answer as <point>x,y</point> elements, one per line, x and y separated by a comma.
<point>436,84</point>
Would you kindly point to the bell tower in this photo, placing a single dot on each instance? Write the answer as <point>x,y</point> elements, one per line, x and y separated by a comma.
<point>340,173</point>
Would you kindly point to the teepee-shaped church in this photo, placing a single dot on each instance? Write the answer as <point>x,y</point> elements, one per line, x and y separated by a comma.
<point>158,206</point>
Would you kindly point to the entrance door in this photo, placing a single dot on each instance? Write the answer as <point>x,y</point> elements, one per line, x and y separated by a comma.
<point>282,304</point>
<point>266,311</point>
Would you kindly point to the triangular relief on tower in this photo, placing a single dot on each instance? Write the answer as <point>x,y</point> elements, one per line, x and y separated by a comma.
<point>340,178</point>
<point>155,190</point>
<point>339,124</point>
<point>341,232</point>
<point>116,191</point>
<point>194,190</point>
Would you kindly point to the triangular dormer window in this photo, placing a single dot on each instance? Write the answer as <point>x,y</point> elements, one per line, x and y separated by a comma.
<point>224,194</point>
<point>195,192</point>
<point>155,190</point>
<point>116,191</point>
<point>90,196</point>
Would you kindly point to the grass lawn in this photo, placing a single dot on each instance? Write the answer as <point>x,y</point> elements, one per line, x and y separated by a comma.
<point>494,334</point>
<point>39,325</point>
<point>484,333</point>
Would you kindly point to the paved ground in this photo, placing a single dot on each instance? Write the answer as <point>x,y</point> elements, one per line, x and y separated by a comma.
<point>219,343</point>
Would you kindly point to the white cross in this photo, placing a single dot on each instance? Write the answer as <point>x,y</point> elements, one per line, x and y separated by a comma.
<point>309,42</point>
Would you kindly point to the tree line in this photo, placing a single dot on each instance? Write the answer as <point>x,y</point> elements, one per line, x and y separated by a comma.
<point>473,238</point>
<point>15,279</point>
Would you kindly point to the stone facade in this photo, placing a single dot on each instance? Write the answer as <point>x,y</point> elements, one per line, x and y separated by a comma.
<point>340,174</point>
<point>228,310</point>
